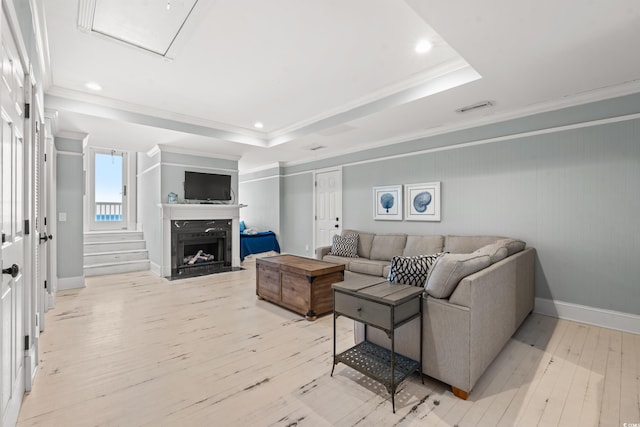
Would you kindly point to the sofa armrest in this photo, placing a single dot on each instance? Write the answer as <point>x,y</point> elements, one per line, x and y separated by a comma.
<point>322,251</point>
<point>499,299</point>
<point>517,270</point>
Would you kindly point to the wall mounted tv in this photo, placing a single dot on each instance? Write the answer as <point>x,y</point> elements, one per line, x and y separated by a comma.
<point>206,187</point>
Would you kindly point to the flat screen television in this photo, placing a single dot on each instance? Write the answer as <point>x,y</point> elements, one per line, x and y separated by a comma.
<point>206,186</point>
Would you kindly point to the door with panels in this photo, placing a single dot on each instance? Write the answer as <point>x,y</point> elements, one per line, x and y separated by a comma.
<point>12,216</point>
<point>328,206</point>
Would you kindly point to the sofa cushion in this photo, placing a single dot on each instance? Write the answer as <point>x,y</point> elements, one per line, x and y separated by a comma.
<point>411,270</point>
<point>449,269</point>
<point>386,246</point>
<point>423,245</point>
<point>345,246</point>
<point>367,266</point>
<point>338,260</point>
<point>467,244</point>
<point>365,240</point>
<point>496,251</point>
<point>513,246</point>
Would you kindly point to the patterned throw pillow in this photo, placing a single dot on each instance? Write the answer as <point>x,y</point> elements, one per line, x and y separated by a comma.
<point>346,246</point>
<point>411,270</point>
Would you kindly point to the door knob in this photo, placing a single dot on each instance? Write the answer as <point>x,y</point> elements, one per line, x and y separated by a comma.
<point>13,270</point>
<point>45,238</point>
<point>336,226</point>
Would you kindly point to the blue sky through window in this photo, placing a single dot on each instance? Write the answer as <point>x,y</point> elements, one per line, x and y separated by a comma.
<point>108,170</point>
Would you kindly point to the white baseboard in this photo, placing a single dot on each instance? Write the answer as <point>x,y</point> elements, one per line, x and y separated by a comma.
<point>155,268</point>
<point>590,315</point>
<point>70,283</point>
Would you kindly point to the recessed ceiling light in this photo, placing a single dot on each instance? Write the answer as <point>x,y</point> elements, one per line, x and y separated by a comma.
<point>93,86</point>
<point>258,125</point>
<point>423,46</point>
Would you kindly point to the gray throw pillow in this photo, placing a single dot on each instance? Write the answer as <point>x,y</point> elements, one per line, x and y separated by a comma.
<point>513,245</point>
<point>346,246</point>
<point>497,252</point>
<point>449,269</point>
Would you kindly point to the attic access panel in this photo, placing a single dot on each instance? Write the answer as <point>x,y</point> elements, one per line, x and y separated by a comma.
<point>152,25</point>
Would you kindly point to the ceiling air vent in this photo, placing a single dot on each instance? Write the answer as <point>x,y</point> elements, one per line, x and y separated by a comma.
<point>477,106</point>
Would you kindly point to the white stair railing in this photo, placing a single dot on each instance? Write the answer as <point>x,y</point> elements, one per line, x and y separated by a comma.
<point>108,211</point>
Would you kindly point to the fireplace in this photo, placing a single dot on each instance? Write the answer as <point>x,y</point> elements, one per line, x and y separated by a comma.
<point>200,247</point>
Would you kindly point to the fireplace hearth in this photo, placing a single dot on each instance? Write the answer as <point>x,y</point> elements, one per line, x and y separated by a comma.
<point>200,247</point>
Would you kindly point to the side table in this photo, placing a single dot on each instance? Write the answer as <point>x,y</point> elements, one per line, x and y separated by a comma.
<point>384,306</point>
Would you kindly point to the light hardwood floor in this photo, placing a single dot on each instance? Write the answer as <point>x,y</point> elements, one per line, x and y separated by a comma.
<point>137,350</point>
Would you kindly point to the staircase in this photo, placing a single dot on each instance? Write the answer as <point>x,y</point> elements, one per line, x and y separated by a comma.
<point>112,252</point>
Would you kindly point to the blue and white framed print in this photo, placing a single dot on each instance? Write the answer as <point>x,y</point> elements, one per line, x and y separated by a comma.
<point>423,201</point>
<point>387,202</point>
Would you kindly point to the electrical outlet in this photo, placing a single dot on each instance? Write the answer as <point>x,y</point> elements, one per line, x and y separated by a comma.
<point>306,248</point>
<point>62,216</point>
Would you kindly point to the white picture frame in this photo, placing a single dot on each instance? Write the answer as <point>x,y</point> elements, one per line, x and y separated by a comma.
<point>422,201</point>
<point>387,203</point>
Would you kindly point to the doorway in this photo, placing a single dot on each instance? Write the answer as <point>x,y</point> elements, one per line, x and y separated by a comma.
<point>328,206</point>
<point>108,205</point>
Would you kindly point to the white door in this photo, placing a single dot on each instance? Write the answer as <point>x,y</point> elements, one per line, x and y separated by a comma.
<point>108,189</point>
<point>49,212</point>
<point>328,201</point>
<point>42,227</point>
<point>12,219</point>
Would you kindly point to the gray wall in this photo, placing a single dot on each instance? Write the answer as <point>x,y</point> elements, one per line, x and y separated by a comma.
<point>572,194</point>
<point>297,223</point>
<point>149,213</point>
<point>263,213</point>
<point>162,174</point>
<point>69,194</point>
<point>174,165</point>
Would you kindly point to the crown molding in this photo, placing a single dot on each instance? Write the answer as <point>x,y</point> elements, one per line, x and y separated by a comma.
<point>118,110</point>
<point>417,80</point>
<point>51,120</point>
<point>262,168</point>
<point>440,80</point>
<point>162,148</point>
<point>154,151</point>
<point>583,98</point>
<point>79,136</point>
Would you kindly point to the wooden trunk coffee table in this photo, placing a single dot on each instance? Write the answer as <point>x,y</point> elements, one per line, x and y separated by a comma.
<point>302,285</point>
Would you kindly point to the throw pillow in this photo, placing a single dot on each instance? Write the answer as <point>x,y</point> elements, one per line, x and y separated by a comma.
<point>450,269</point>
<point>411,270</point>
<point>346,246</point>
<point>513,246</point>
<point>242,226</point>
<point>497,252</point>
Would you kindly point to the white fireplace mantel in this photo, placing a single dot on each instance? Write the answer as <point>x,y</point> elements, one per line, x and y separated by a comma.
<point>202,212</point>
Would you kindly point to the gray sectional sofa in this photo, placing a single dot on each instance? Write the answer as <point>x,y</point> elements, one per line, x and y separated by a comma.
<point>466,322</point>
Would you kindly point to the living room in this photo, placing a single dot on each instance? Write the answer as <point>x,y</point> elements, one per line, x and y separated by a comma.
<point>546,152</point>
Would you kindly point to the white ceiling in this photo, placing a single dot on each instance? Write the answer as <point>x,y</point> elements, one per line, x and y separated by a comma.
<point>339,74</point>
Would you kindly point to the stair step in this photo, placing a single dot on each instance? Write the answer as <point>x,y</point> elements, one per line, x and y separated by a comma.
<point>115,256</point>
<point>113,246</point>
<point>111,236</point>
<point>116,267</point>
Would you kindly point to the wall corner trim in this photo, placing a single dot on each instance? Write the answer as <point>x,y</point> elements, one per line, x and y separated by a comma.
<point>618,320</point>
<point>155,268</point>
<point>65,283</point>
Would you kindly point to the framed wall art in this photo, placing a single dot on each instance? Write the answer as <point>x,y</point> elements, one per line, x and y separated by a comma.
<point>387,203</point>
<point>423,201</point>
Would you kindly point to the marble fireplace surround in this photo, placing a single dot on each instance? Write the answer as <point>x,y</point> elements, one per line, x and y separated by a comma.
<point>198,212</point>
